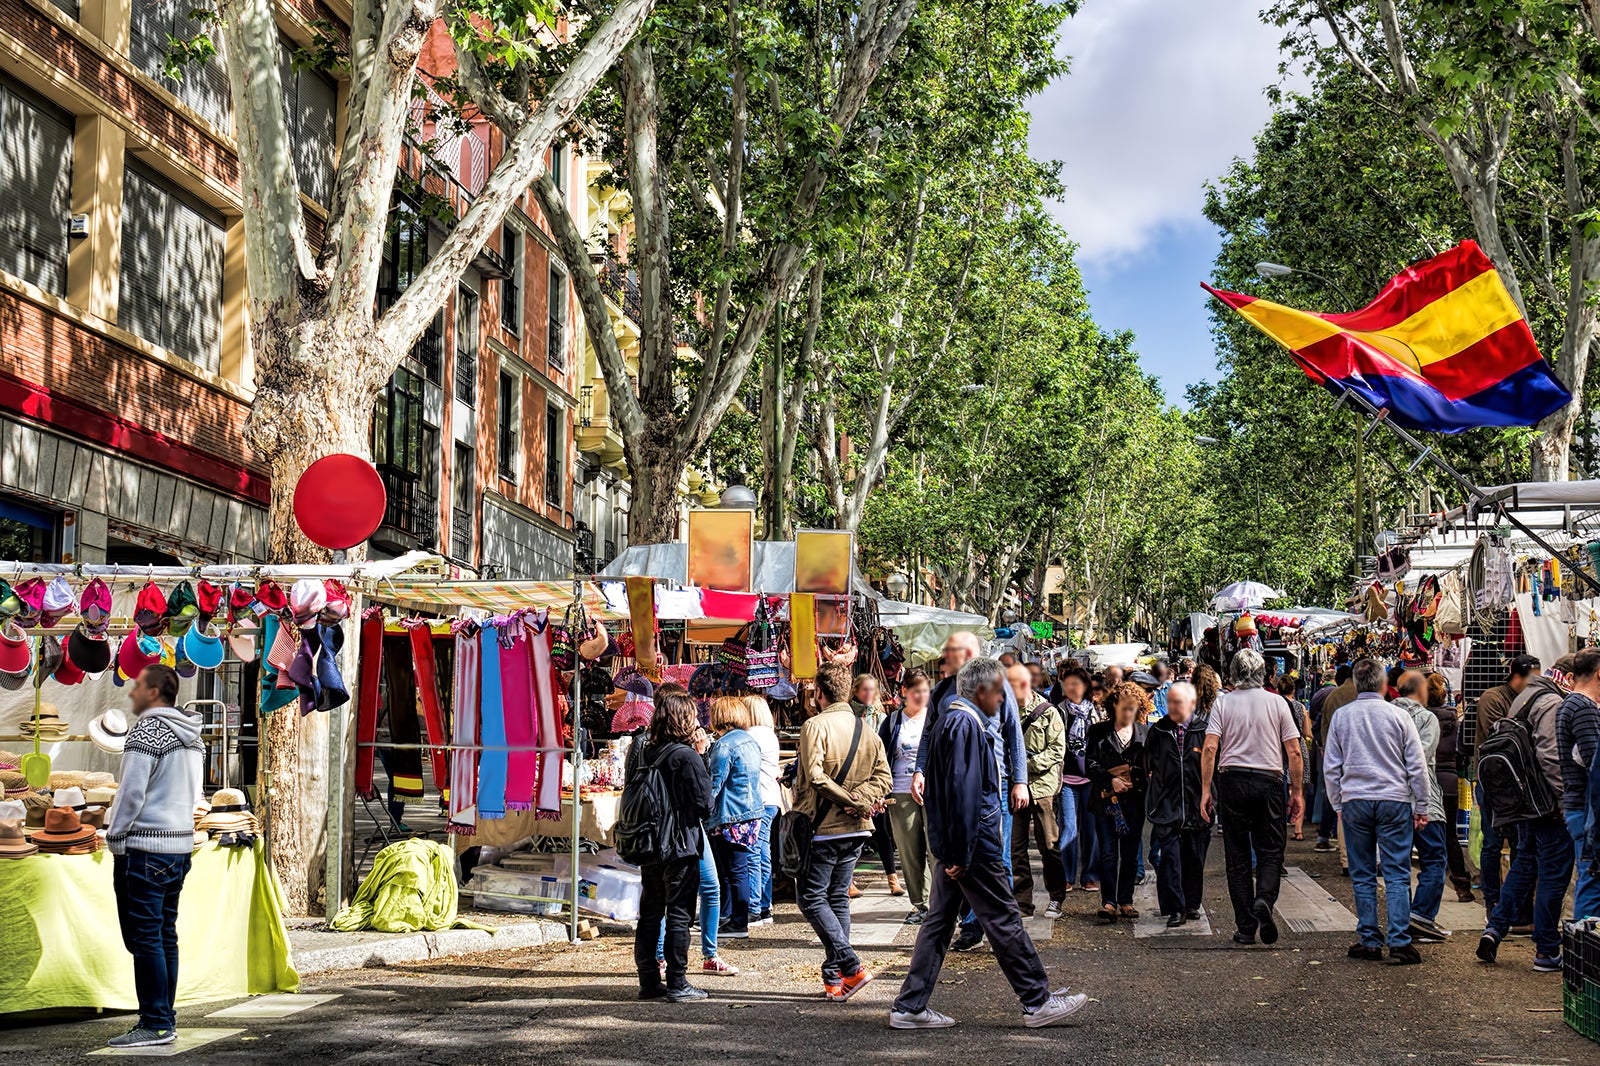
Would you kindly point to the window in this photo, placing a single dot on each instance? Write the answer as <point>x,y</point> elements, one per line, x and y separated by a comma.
<point>172,254</point>
<point>510,416</point>
<point>554,453</point>
<point>204,86</point>
<point>558,166</point>
<point>404,449</point>
<point>556,337</point>
<point>429,349</point>
<point>405,251</point>
<point>35,189</point>
<point>461,511</point>
<point>511,287</point>
<point>467,347</point>
<point>309,102</point>
<point>28,534</point>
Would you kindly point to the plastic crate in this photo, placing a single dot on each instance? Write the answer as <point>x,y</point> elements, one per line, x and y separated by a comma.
<point>1580,951</point>
<point>1580,1009</point>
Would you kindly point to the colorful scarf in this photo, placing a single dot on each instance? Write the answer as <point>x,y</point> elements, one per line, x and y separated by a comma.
<point>367,699</point>
<point>492,765</point>
<point>464,714</point>
<point>548,723</point>
<point>516,688</point>
<point>426,668</point>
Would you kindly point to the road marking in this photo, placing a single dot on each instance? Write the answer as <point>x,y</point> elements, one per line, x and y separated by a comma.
<point>1150,922</point>
<point>876,920</point>
<point>268,1008</point>
<point>1306,907</point>
<point>188,1040</point>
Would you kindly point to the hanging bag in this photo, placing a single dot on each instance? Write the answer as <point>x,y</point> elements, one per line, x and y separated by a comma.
<point>761,651</point>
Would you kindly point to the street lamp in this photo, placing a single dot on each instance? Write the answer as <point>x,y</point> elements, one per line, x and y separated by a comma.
<point>1278,270</point>
<point>897,584</point>
<point>737,497</point>
<point>1199,439</point>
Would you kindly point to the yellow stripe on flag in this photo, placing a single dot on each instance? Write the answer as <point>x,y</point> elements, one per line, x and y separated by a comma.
<point>1291,328</point>
<point>1451,324</point>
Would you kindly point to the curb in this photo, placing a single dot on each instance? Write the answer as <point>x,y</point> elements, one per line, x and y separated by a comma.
<point>419,947</point>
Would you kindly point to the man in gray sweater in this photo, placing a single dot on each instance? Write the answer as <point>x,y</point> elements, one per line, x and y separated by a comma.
<point>151,835</point>
<point>1377,780</point>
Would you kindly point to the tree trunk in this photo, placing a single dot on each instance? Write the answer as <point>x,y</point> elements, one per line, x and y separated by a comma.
<point>653,512</point>
<point>323,407</point>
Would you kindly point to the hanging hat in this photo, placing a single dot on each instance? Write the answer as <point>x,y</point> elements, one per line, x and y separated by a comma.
<point>89,653</point>
<point>241,601</point>
<point>179,662</point>
<point>14,844</point>
<point>337,608</point>
<point>208,598</point>
<point>50,658</point>
<point>1244,626</point>
<point>49,727</point>
<point>69,673</point>
<point>201,647</point>
<point>269,597</point>
<point>16,650</point>
<point>95,607</point>
<point>69,797</point>
<point>150,613</point>
<point>276,689</point>
<point>109,731</point>
<point>307,598</point>
<point>57,602</point>
<point>182,609</point>
<point>11,604</point>
<point>136,653</point>
<point>242,642</point>
<point>62,830</point>
<point>31,593</point>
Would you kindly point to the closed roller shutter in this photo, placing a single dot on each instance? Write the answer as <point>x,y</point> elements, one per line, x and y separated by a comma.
<point>204,86</point>
<point>309,100</point>
<point>35,189</point>
<point>172,255</point>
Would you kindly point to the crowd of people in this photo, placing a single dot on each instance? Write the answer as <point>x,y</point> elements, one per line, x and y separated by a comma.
<point>1101,780</point>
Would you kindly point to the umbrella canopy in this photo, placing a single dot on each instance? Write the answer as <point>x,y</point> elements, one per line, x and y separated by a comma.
<point>1242,594</point>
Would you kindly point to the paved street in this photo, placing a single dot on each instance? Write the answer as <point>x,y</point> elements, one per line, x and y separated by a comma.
<point>1161,998</point>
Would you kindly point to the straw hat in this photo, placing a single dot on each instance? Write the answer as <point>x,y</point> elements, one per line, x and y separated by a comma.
<point>50,727</point>
<point>99,779</point>
<point>229,813</point>
<point>100,796</point>
<point>109,731</point>
<point>13,843</point>
<point>62,830</point>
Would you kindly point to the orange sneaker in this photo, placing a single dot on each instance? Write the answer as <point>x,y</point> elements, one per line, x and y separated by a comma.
<point>855,983</point>
<point>833,993</point>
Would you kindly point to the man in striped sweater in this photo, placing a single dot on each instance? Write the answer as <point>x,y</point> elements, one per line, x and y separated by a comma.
<point>151,835</point>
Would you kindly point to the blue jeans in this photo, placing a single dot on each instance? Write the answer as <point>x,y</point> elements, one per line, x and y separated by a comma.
<point>969,920</point>
<point>761,886</point>
<point>1432,860</point>
<point>1080,853</point>
<point>1379,832</point>
<point>1543,859</point>
<point>147,886</point>
<point>710,904</point>
<point>823,892</point>
<point>1586,897</point>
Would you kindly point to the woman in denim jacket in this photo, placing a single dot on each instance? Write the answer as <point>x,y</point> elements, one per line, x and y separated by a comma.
<point>736,809</point>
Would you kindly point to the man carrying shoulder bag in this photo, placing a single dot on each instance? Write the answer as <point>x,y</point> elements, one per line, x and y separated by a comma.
<point>842,779</point>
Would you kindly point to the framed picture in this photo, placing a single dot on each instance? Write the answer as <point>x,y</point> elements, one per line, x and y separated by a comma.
<point>822,562</point>
<point>721,549</point>
<point>833,616</point>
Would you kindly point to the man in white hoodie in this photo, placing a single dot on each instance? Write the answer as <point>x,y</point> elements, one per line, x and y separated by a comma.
<point>151,835</point>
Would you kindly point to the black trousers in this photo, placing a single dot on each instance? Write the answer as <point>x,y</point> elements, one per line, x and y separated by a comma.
<point>1252,806</point>
<point>669,891</point>
<point>986,888</point>
<point>1181,873</point>
<point>1037,819</point>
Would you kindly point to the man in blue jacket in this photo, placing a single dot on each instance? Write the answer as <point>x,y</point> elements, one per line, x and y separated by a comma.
<point>963,808</point>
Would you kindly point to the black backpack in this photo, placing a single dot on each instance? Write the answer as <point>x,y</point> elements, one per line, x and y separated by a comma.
<point>646,822</point>
<point>1514,786</point>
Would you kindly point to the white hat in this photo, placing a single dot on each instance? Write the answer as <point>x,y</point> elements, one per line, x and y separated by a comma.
<point>13,811</point>
<point>69,797</point>
<point>109,731</point>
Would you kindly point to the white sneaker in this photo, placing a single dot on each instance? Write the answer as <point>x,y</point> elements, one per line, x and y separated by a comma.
<point>922,1019</point>
<point>1058,1008</point>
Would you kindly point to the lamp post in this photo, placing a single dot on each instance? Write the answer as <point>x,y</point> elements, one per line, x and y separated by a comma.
<point>737,497</point>
<point>897,584</point>
<point>1278,270</point>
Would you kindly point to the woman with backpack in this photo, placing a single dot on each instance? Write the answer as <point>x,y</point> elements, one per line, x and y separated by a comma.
<point>666,798</point>
<point>736,809</point>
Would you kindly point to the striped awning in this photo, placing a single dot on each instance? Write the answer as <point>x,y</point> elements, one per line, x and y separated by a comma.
<point>497,597</point>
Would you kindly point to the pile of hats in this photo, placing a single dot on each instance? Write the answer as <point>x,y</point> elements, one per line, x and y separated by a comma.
<point>65,832</point>
<point>47,726</point>
<point>14,843</point>
<point>229,819</point>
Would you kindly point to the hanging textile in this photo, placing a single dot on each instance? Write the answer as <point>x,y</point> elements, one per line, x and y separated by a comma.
<point>491,707</point>
<point>516,693</point>
<point>728,606</point>
<point>464,716</point>
<point>367,699</point>
<point>547,794</point>
<point>403,762</point>
<point>802,636</point>
<point>426,668</point>
<point>642,617</point>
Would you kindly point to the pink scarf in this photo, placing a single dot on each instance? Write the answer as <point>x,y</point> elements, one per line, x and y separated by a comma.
<point>548,723</point>
<point>516,692</point>
<point>464,715</point>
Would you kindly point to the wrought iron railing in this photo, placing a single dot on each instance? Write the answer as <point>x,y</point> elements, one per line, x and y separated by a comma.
<point>410,508</point>
<point>461,535</point>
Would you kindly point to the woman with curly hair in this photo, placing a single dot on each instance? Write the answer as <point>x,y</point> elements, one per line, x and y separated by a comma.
<point>1207,687</point>
<point>1116,765</point>
<point>1079,855</point>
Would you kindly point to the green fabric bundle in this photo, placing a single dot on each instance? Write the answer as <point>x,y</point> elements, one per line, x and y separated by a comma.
<point>412,886</point>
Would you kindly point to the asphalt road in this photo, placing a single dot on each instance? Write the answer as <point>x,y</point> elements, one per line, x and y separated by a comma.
<point>1182,999</point>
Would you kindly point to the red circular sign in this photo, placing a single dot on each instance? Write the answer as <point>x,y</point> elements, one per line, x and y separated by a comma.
<point>339,501</point>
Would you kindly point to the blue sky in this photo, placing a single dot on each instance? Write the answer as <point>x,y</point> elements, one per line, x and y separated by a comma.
<point>1162,96</point>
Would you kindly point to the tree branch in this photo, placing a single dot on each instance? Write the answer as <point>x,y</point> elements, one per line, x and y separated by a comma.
<point>366,21</point>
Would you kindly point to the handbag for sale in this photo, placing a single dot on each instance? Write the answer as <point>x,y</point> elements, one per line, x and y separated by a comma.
<point>761,650</point>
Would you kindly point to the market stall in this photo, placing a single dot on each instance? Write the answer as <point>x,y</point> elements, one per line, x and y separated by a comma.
<point>60,945</point>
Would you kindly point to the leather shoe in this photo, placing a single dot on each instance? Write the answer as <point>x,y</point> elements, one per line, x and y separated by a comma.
<point>1365,952</point>
<point>1404,956</point>
<point>1176,920</point>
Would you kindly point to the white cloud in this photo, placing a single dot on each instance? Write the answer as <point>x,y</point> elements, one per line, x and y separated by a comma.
<point>1162,95</point>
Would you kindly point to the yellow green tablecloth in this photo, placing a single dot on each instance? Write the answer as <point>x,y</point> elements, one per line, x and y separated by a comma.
<point>60,945</point>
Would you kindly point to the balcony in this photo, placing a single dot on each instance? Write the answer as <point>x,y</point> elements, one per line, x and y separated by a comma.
<point>410,509</point>
<point>461,535</point>
<point>467,376</point>
<point>620,284</point>
<point>429,350</point>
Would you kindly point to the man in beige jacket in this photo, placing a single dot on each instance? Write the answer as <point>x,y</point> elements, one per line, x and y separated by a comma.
<point>842,780</point>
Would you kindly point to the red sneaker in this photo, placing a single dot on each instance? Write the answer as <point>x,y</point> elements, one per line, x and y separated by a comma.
<point>855,983</point>
<point>719,967</point>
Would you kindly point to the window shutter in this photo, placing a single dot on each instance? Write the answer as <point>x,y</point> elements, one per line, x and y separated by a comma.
<point>171,272</point>
<point>204,86</point>
<point>35,191</point>
<point>314,147</point>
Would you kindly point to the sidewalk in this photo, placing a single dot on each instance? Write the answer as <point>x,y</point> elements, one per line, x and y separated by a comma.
<point>318,950</point>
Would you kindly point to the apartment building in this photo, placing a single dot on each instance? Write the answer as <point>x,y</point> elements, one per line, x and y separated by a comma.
<point>125,370</point>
